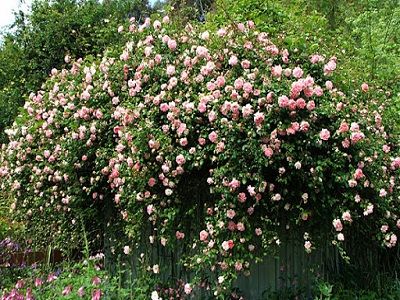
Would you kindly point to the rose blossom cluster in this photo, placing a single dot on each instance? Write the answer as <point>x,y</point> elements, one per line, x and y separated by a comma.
<point>132,131</point>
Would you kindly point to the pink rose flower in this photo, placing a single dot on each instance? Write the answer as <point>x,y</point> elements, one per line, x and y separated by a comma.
<point>226,245</point>
<point>180,159</point>
<point>67,290</point>
<point>213,137</point>
<point>203,235</point>
<point>297,72</point>
<point>240,226</point>
<point>268,152</point>
<point>258,118</point>
<point>276,71</point>
<point>346,216</point>
<point>307,246</point>
<point>179,235</point>
<point>310,105</point>
<point>233,60</point>
<point>245,64</point>
<point>81,292</point>
<point>344,127</point>
<point>283,101</point>
<point>247,87</point>
<point>172,44</point>
<point>187,289</point>
<point>329,85</point>
<point>234,184</point>
<point>324,134</point>
<point>337,224</point>
<point>242,197</point>
<point>358,174</point>
<point>230,213</point>
<point>300,103</point>
<point>304,126</point>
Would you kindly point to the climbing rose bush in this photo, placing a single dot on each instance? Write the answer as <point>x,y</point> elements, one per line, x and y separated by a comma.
<point>217,143</point>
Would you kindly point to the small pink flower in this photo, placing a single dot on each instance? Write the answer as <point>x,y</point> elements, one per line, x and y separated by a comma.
<point>180,159</point>
<point>81,292</point>
<point>151,182</point>
<point>356,137</point>
<point>304,126</point>
<point>179,235</point>
<point>301,103</point>
<point>292,104</point>
<point>346,216</point>
<point>259,118</point>
<point>221,32</point>
<point>346,143</point>
<point>324,134</point>
<point>245,64</point>
<point>241,27</point>
<point>297,72</point>
<point>202,141</point>
<point>96,294</point>
<point>384,228</point>
<point>386,148</point>
<point>307,246</point>
<point>337,224</point>
<point>171,44</point>
<point>310,105</point>
<point>20,284</point>
<point>276,71</point>
<point>318,91</point>
<point>242,197</point>
<point>358,174</point>
<point>187,289</point>
<point>344,127</point>
<point>170,70</point>
<point>316,58</point>
<point>240,226</point>
<point>283,101</point>
<point>51,277</point>
<point>38,282</point>
<point>67,290</point>
<point>230,213</point>
<point>231,226</point>
<point>96,280</point>
<point>233,60</point>
<point>238,266</point>
<point>213,137</point>
<point>369,210</point>
<point>226,245</point>
<point>364,87</point>
<point>203,235</point>
<point>234,184</point>
<point>268,152</point>
<point>247,87</point>
<point>238,84</point>
<point>329,85</point>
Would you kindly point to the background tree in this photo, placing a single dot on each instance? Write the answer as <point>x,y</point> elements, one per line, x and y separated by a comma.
<point>40,39</point>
